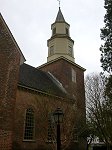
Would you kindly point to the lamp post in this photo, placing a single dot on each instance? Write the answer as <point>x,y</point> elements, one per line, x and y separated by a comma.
<point>58,118</point>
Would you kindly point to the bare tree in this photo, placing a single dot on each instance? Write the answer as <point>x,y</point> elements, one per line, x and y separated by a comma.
<point>99,113</point>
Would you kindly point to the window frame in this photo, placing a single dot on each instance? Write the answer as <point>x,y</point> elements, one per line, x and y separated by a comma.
<point>51,130</point>
<point>75,135</point>
<point>74,75</point>
<point>28,125</point>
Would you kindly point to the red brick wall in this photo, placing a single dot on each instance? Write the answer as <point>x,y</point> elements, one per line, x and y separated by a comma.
<point>42,105</point>
<point>9,67</point>
<point>61,69</point>
<point>5,140</point>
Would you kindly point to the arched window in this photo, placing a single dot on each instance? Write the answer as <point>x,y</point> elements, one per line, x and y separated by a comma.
<point>51,136</point>
<point>29,125</point>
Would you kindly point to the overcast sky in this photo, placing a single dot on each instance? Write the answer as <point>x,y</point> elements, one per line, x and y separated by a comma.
<point>30,23</point>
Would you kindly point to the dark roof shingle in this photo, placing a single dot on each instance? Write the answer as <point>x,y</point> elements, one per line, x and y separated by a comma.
<point>36,79</point>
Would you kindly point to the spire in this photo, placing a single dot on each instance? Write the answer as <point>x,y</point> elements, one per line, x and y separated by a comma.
<point>60,44</point>
<point>60,17</point>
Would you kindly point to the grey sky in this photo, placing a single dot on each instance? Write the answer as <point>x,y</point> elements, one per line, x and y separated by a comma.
<point>30,23</point>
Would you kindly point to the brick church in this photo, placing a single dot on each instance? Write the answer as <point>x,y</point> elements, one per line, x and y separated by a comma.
<point>29,95</point>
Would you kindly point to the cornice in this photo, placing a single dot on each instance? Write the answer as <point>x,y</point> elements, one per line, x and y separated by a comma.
<point>61,57</point>
<point>44,93</point>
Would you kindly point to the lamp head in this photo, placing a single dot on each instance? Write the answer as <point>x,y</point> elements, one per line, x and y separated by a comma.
<point>58,116</point>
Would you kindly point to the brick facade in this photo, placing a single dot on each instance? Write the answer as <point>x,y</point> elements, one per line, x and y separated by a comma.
<point>43,105</point>
<point>9,68</point>
<point>15,99</point>
<point>62,70</point>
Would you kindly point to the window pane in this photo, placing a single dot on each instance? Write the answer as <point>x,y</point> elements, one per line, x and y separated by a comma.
<point>70,50</point>
<point>73,75</point>
<point>51,131</point>
<point>75,135</point>
<point>29,125</point>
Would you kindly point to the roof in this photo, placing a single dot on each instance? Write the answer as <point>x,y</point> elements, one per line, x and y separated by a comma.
<point>10,36</point>
<point>60,17</point>
<point>36,79</point>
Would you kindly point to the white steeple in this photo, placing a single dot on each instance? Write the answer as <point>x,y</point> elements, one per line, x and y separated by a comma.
<point>60,44</point>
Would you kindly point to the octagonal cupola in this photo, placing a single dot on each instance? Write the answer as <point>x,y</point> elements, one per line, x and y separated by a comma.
<point>60,44</point>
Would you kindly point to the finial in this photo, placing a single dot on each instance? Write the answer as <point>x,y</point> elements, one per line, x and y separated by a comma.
<point>59,3</point>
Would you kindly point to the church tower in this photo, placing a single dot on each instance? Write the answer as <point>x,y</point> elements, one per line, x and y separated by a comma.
<point>60,43</point>
<point>61,65</point>
<point>60,60</point>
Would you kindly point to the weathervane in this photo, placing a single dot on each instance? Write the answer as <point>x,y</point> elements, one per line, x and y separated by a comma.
<point>59,2</point>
